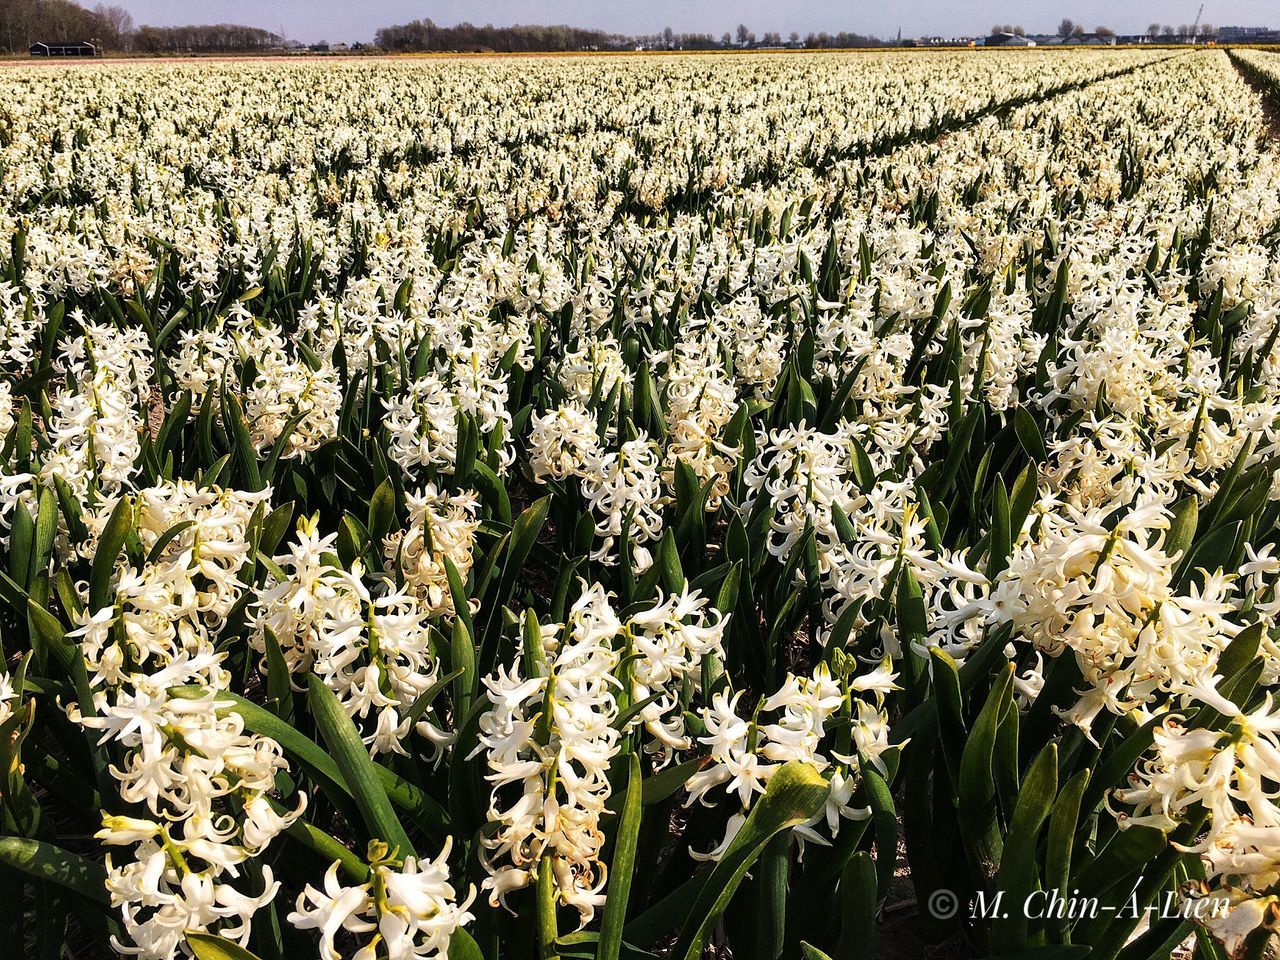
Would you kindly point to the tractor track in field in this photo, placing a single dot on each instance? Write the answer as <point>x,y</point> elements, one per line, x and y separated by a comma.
<point>939,132</point>
<point>934,133</point>
<point>1265,88</point>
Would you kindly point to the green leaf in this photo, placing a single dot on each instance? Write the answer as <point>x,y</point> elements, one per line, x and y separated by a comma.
<point>214,474</point>
<point>1240,651</point>
<point>48,634</point>
<point>421,705</point>
<point>44,861</point>
<point>166,538</point>
<point>353,540</point>
<point>663,784</point>
<point>668,562</point>
<point>207,946</point>
<point>71,511</point>
<point>634,710</point>
<point>382,513</point>
<point>794,795</point>
<point>329,847</point>
<point>1182,527</point>
<point>1029,435</point>
<point>977,786</point>
<point>857,907</point>
<point>359,772</point>
<point>1001,532</point>
<point>403,794</point>
<point>1021,500</point>
<point>279,688</point>
<point>110,544</point>
<point>492,490</point>
<point>1018,877</point>
<point>524,534</point>
<point>46,531</point>
<point>274,527</point>
<point>1128,851</point>
<point>884,819</point>
<point>244,448</point>
<point>952,728</point>
<point>1211,516</point>
<point>462,946</point>
<point>462,654</point>
<point>1063,821</point>
<point>622,867</point>
<point>531,649</point>
<point>1207,948</point>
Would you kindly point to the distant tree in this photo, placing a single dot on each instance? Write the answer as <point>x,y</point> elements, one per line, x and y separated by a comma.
<point>1104,31</point>
<point>1066,28</point>
<point>24,22</point>
<point>204,38</point>
<point>726,39</point>
<point>118,23</point>
<point>1019,31</point>
<point>1153,30</point>
<point>695,41</point>
<point>668,36</point>
<point>773,39</point>
<point>426,35</point>
<point>744,35</point>
<point>1168,30</point>
<point>795,38</point>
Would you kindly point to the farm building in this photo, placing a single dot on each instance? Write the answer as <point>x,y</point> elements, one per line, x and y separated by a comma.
<point>64,48</point>
<point>1005,39</point>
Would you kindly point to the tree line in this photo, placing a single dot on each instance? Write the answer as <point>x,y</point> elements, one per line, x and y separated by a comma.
<point>207,38</point>
<point>25,22</point>
<point>426,35</point>
<point>422,35</point>
<point>1181,31</point>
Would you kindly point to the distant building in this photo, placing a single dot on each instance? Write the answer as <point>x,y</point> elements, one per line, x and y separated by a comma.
<point>1082,40</point>
<point>64,48</point>
<point>1008,40</point>
<point>1248,35</point>
<point>938,42</point>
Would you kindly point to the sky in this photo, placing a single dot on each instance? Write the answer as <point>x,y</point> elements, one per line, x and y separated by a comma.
<point>352,20</point>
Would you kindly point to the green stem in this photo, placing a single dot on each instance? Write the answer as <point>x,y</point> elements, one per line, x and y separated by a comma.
<point>547,932</point>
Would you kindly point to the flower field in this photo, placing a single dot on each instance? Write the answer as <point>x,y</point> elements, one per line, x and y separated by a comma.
<point>641,507</point>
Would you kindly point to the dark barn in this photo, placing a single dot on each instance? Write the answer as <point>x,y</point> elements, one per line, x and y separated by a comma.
<point>64,48</point>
